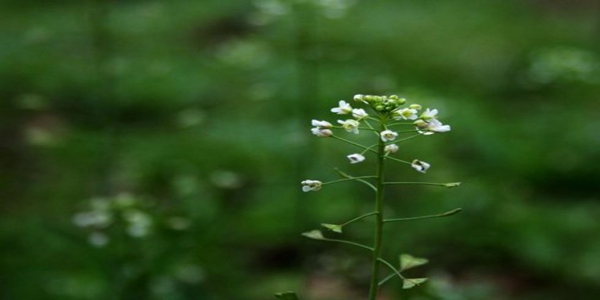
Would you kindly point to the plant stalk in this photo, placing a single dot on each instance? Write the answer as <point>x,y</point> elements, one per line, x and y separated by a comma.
<point>377,247</point>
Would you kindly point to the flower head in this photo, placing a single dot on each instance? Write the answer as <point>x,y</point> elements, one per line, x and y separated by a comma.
<point>321,132</point>
<point>383,104</point>
<point>350,125</point>
<point>420,166</point>
<point>405,114</point>
<point>342,109</point>
<point>429,114</point>
<point>430,127</point>
<point>321,124</point>
<point>391,148</point>
<point>355,158</point>
<point>359,113</point>
<point>311,185</point>
<point>388,135</point>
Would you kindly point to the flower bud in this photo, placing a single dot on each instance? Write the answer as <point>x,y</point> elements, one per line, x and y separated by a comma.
<point>311,185</point>
<point>355,158</point>
<point>360,98</point>
<point>420,166</point>
<point>452,184</point>
<point>320,132</point>
<point>321,124</point>
<point>391,148</point>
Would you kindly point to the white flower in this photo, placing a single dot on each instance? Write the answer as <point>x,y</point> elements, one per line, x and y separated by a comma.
<point>415,106</point>
<point>429,114</point>
<point>360,98</point>
<point>388,135</point>
<point>420,166</point>
<point>405,114</point>
<point>431,127</point>
<point>359,113</point>
<point>320,132</point>
<point>343,108</point>
<point>311,185</point>
<point>321,124</point>
<point>350,125</point>
<point>437,126</point>
<point>355,158</point>
<point>391,148</point>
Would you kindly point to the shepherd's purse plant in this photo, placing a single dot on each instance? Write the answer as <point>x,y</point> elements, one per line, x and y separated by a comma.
<point>390,121</point>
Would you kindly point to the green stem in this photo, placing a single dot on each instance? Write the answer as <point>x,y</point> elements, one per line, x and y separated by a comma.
<point>396,272</point>
<point>359,179</point>
<point>446,214</point>
<point>347,179</point>
<point>387,278</point>
<point>401,123</point>
<point>408,138</point>
<point>353,143</point>
<point>399,160</point>
<point>422,183</point>
<point>358,218</point>
<point>377,248</point>
<point>348,243</point>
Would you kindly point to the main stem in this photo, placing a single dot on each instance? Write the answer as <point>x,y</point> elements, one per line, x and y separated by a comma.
<point>377,249</point>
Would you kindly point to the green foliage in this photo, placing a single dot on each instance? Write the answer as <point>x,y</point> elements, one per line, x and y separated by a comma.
<point>286,296</point>
<point>409,283</point>
<point>408,261</point>
<point>333,227</point>
<point>198,107</point>
<point>314,234</point>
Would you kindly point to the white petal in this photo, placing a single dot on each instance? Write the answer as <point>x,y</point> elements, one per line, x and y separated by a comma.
<point>392,148</point>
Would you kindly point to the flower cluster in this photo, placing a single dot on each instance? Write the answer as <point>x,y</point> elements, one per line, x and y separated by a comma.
<point>388,113</point>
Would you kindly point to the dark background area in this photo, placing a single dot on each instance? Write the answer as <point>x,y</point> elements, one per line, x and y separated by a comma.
<point>154,149</point>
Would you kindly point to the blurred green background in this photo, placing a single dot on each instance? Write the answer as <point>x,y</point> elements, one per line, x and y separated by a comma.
<point>154,149</point>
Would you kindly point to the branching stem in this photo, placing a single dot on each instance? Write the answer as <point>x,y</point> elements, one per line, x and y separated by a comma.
<point>359,179</point>
<point>379,197</point>
<point>411,182</point>
<point>359,218</point>
<point>348,243</point>
<point>353,143</point>
<point>446,214</point>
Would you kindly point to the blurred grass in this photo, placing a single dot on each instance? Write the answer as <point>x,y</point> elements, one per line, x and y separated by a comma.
<point>201,110</point>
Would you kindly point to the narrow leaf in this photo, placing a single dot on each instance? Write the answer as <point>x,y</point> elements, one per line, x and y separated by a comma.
<point>286,296</point>
<point>333,227</point>
<point>314,234</point>
<point>408,261</point>
<point>412,282</point>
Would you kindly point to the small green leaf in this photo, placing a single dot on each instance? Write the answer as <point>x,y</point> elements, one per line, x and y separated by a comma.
<point>333,227</point>
<point>408,261</point>
<point>314,234</point>
<point>412,282</point>
<point>452,184</point>
<point>286,296</point>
